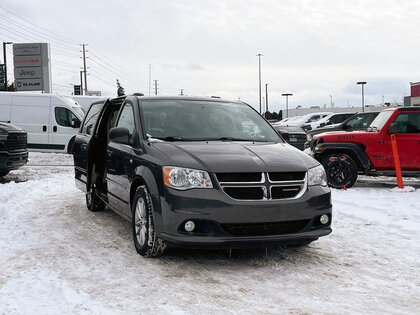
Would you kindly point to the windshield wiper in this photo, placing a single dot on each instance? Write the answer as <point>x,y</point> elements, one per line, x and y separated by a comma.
<point>170,138</point>
<point>228,139</point>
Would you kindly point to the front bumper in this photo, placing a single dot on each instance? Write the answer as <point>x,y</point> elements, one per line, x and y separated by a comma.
<point>12,161</point>
<point>222,222</point>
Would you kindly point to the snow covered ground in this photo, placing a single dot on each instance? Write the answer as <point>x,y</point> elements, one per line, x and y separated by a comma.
<point>58,258</point>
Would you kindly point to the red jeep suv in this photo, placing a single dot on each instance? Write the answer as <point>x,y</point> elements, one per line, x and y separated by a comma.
<point>345,154</point>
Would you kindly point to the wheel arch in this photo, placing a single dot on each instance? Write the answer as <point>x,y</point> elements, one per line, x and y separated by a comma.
<point>354,150</point>
<point>145,177</point>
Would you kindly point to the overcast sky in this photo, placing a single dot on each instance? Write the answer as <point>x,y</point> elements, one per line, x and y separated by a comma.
<point>312,49</point>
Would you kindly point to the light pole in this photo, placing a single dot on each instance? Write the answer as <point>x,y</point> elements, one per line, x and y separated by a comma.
<point>266,97</point>
<point>259,78</point>
<point>5,63</point>
<point>287,103</point>
<point>363,94</point>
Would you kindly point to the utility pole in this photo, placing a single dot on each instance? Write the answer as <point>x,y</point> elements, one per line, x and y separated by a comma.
<point>266,97</point>
<point>5,64</point>
<point>84,66</point>
<point>182,91</point>
<point>156,86</point>
<point>81,82</point>
<point>259,79</point>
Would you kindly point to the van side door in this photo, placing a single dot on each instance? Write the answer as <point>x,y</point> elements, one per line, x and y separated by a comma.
<point>81,146</point>
<point>32,113</point>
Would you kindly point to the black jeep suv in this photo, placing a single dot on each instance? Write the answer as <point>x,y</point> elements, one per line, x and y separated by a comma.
<point>13,148</point>
<point>198,172</point>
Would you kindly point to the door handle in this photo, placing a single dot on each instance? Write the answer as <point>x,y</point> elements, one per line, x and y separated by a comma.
<point>55,128</point>
<point>418,141</point>
<point>44,128</point>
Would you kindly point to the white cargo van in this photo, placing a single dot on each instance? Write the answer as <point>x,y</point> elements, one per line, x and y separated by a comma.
<point>51,121</point>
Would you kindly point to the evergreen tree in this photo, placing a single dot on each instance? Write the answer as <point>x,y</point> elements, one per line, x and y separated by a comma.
<point>120,89</point>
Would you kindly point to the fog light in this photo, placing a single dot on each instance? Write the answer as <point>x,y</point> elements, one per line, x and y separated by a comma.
<point>190,226</point>
<point>324,219</point>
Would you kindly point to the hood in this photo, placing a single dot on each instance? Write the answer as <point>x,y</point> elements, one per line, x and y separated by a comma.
<point>236,156</point>
<point>6,128</point>
<point>348,136</point>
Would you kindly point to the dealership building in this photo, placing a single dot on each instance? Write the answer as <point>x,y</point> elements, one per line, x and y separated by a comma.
<point>415,93</point>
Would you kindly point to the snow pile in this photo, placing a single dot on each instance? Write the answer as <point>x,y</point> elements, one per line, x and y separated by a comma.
<point>403,190</point>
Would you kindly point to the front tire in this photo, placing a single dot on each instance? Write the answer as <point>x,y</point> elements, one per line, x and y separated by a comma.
<point>93,202</point>
<point>146,242</point>
<point>341,170</point>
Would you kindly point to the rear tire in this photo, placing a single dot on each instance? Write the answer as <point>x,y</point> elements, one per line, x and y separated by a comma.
<point>93,202</point>
<point>4,173</point>
<point>146,242</point>
<point>341,170</point>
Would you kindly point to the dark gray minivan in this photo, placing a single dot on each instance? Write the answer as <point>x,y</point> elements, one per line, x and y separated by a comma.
<point>199,173</point>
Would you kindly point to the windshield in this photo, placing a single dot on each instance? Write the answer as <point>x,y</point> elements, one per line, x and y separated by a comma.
<point>381,119</point>
<point>184,120</point>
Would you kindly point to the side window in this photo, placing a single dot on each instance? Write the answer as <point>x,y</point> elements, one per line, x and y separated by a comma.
<point>126,118</point>
<point>408,122</point>
<point>64,117</point>
<point>91,118</point>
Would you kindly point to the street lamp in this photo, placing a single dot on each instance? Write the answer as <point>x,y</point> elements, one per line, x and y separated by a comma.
<point>287,103</point>
<point>5,63</point>
<point>259,72</point>
<point>363,95</point>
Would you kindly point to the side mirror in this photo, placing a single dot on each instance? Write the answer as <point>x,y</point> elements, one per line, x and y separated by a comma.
<point>393,128</point>
<point>75,123</point>
<point>329,122</point>
<point>120,135</point>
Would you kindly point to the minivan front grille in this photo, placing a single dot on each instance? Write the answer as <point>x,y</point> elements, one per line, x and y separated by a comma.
<point>265,229</point>
<point>239,177</point>
<point>286,176</point>
<point>16,141</point>
<point>263,186</point>
<point>245,193</point>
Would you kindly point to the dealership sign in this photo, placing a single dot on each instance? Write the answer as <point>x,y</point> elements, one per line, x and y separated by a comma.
<point>28,84</point>
<point>28,73</point>
<point>32,68</point>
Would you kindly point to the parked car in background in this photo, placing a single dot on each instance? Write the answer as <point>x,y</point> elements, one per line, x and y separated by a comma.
<point>301,120</point>
<point>359,121</point>
<point>198,173</point>
<point>51,121</point>
<point>295,136</point>
<point>345,154</point>
<point>13,153</point>
<point>331,119</point>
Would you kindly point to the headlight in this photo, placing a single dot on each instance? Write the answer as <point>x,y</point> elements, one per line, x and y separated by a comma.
<point>316,176</point>
<point>308,137</point>
<point>185,178</point>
